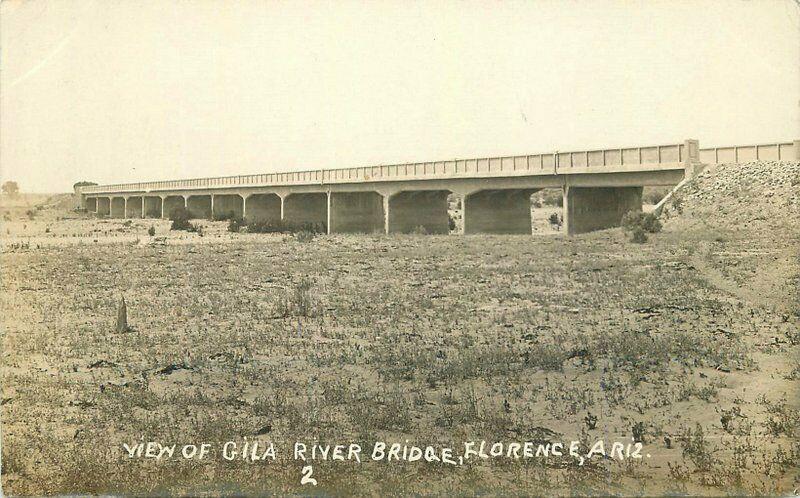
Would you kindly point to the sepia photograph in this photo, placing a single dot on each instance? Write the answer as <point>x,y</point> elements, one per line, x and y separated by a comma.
<point>400,248</point>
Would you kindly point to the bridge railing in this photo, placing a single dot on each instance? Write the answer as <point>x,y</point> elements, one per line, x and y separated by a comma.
<point>744,153</point>
<point>535,164</point>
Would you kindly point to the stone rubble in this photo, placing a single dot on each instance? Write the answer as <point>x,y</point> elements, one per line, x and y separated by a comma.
<point>764,193</point>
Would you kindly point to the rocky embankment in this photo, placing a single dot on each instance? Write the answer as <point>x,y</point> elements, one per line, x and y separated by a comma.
<point>763,195</point>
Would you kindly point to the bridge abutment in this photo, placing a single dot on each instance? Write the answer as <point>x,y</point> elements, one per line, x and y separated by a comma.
<point>302,208</point>
<point>356,212</point>
<point>506,211</point>
<point>596,208</point>
<point>424,210</point>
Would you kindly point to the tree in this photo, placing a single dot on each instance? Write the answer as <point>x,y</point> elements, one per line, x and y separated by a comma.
<point>10,188</point>
<point>80,184</point>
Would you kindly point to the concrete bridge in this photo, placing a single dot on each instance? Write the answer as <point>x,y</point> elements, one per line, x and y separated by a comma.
<point>599,187</point>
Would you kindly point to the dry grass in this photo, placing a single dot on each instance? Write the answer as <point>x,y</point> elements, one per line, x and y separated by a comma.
<point>481,337</point>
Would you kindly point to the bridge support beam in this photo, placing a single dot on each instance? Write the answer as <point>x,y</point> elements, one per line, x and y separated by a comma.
<point>306,208</point>
<point>91,204</point>
<point>263,207</point>
<point>118,207</point>
<point>356,212</point>
<point>170,203</point>
<point>227,206</point>
<point>506,211</point>
<point>424,210</point>
<point>133,207</point>
<point>199,206</point>
<point>153,207</point>
<point>596,208</point>
<point>104,206</point>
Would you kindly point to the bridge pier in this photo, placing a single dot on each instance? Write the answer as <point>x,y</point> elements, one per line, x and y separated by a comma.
<point>409,210</point>
<point>91,204</point>
<point>309,208</point>
<point>170,203</point>
<point>263,207</point>
<point>104,206</point>
<point>133,207</point>
<point>117,207</point>
<point>152,207</point>
<point>225,206</point>
<point>200,206</point>
<point>356,212</point>
<point>596,208</point>
<point>505,211</point>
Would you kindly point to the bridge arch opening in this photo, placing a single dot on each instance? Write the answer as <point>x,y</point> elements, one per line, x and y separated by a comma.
<point>152,207</point>
<point>501,211</point>
<point>306,208</point>
<point>104,206</point>
<point>133,207</point>
<point>91,204</point>
<point>117,207</point>
<point>356,212</point>
<point>415,211</point>
<point>263,208</point>
<point>171,203</point>
<point>199,206</point>
<point>228,206</point>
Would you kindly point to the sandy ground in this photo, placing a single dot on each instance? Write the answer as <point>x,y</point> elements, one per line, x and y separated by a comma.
<point>689,343</point>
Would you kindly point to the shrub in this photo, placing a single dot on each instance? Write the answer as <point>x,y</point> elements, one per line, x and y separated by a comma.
<point>451,222</point>
<point>555,221</point>
<point>304,236</point>
<point>151,231</point>
<point>230,215</point>
<point>419,230</point>
<point>553,197</point>
<point>279,226</point>
<point>235,224</point>
<point>180,217</point>
<point>638,236</point>
<point>639,224</point>
<point>298,301</point>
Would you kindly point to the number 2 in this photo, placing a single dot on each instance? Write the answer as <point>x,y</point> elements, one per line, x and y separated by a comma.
<point>307,479</point>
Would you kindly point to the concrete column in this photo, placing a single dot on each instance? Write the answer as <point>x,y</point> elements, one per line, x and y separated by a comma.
<point>356,212</point>
<point>691,159</point>
<point>409,211</point>
<point>244,205</point>
<point>328,211</point>
<point>596,208</point>
<point>386,227</point>
<point>505,211</point>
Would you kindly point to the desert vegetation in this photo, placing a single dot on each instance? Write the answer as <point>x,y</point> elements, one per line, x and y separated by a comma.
<point>687,344</point>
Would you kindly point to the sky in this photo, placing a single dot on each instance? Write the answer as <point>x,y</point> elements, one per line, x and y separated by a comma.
<point>115,91</point>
